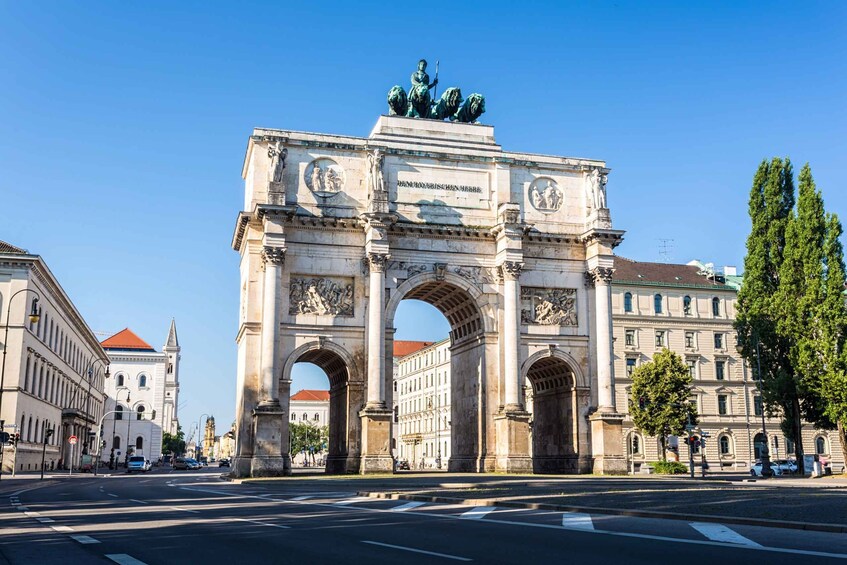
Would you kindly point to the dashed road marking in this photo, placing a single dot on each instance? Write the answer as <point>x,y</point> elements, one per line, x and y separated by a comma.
<point>184,509</point>
<point>44,520</point>
<point>23,508</point>
<point>302,498</point>
<point>124,559</point>
<point>31,514</point>
<point>62,529</point>
<point>114,495</point>
<point>478,513</point>
<point>352,500</point>
<point>259,522</point>
<point>407,506</point>
<point>85,539</point>
<point>415,550</point>
<point>719,532</point>
<point>138,501</point>
<point>577,521</point>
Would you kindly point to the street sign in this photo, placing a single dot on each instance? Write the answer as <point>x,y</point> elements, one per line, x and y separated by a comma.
<point>72,440</point>
<point>12,426</point>
<point>705,434</point>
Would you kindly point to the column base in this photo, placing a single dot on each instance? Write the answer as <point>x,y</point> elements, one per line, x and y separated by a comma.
<point>376,441</point>
<point>240,467</point>
<point>270,466</point>
<point>270,442</point>
<point>607,442</point>
<point>512,429</point>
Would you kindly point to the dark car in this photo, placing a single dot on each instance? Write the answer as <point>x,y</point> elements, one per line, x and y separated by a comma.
<point>402,465</point>
<point>223,463</point>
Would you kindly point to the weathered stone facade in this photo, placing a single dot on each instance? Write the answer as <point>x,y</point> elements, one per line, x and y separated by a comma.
<point>438,212</point>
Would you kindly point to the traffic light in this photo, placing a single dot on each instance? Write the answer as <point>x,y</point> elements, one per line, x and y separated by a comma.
<point>48,433</point>
<point>6,437</point>
<point>17,438</point>
<point>642,402</point>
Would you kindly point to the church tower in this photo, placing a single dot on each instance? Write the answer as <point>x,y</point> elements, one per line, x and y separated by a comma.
<point>170,421</point>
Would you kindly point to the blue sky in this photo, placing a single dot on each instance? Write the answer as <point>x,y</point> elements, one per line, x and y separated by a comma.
<point>123,129</point>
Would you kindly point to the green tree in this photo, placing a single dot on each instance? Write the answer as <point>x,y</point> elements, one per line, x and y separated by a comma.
<point>305,436</point>
<point>174,443</point>
<point>663,387</point>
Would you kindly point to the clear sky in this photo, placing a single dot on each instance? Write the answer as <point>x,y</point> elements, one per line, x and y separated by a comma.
<point>123,129</point>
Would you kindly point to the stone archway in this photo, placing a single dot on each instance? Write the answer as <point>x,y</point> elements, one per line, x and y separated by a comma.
<point>473,384</point>
<point>555,412</point>
<point>345,399</point>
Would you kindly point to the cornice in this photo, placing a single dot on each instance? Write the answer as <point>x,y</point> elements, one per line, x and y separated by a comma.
<point>443,230</point>
<point>655,284</point>
<point>611,237</point>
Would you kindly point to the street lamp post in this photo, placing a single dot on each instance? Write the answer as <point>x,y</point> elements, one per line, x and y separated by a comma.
<point>767,472</point>
<point>34,316</point>
<point>112,464</point>
<point>90,371</point>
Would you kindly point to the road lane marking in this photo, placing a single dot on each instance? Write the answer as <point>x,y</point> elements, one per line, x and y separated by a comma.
<point>668,539</point>
<point>577,521</point>
<point>478,513</point>
<point>85,539</point>
<point>23,508</point>
<point>719,532</point>
<point>407,506</point>
<point>124,559</point>
<point>301,498</point>
<point>62,529</point>
<point>44,520</point>
<point>32,514</point>
<point>110,494</point>
<point>353,500</point>
<point>138,501</point>
<point>414,550</point>
<point>263,523</point>
<point>184,509</point>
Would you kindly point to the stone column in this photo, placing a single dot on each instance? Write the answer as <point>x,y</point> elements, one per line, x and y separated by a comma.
<point>270,426</point>
<point>376,416</point>
<point>606,423</point>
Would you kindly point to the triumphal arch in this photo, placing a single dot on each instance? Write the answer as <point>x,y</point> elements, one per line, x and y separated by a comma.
<point>515,249</point>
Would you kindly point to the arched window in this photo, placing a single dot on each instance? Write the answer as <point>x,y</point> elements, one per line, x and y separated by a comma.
<point>636,444</point>
<point>758,444</point>
<point>139,442</point>
<point>293,417</point>
<point>716,306</point>
<point>627,302</point>
<point>29,429</point>
<point>119,380</point>
<point>686,305</point>
<point>116,442</point>
<point>820,445</point>
<point>657,304</point>
<point>317,417</point>
<point>26,375</point>
<point>119,412</point>
<point>142,381</point>
<point>140,411</point>
<point>724,445</point>
<point>305,416</point>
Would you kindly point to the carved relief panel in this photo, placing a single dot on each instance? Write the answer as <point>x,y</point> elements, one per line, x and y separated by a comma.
<point>325,296</point>
<point>325,177</point>
<point>548,306</point>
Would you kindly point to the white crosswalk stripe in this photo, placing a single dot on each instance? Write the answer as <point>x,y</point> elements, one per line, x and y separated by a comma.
<point>577,521</point>
<point>407,506</point>
<point>478,513</point>
<point>719,532</point>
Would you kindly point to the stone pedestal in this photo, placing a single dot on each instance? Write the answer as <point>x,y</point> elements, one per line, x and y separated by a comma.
<point>376,441</point>
<point>607,443</point>
<point>270,449</point>
<point>513,442</point>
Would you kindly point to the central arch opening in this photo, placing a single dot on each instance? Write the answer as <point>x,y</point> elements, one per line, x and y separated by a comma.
<point>551,399</point>
<point>438,371</point>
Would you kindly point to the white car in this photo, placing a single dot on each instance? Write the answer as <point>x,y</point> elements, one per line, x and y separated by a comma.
<point>787,466</point>
<point>756,469</point>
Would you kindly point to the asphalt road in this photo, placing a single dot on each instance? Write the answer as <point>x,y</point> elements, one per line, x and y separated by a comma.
<point>182,517</point>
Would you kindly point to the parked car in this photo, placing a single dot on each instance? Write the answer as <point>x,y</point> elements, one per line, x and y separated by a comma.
<point>402,465</point>
<point>756,469</point>
<point>137,463</point>
<point>183,463</point>
<point>223,463</point>
<point>785,465</point>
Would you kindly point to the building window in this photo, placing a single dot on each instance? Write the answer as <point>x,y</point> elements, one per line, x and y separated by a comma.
<point>305,416</point>
<point>142,381</point>
<point>692,368</point>
<point>686,305</point>
<point>820,445</point>
<point>630,366</point>
<point>629,338</point>
<point>757,405</point>
<point>627,302</point>
<point>789,446</point>
<point>722,404</point>
<point>657,304</point>
<point>317,417</point>
<point>139,442</point>
<point>718,341</point>
<point>716,306</point>
<point>116,442</point>
<point>724,445</point>
<point>758,445</point>
<point>119,412</point>
<point>140,411</point>
<point>689,340</point>
<point>660,338</point>
<point>720,370</point>
<point>119,380</point>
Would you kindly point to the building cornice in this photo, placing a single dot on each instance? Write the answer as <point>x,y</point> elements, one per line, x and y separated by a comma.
<point>655,284</point>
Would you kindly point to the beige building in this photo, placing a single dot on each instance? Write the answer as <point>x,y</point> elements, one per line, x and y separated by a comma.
<point>690,309</point>
<point>422,394</point>
<point>53,368</point>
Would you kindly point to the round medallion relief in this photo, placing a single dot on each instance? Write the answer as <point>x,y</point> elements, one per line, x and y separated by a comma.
<point>325,177</point>
<point>545,195</point>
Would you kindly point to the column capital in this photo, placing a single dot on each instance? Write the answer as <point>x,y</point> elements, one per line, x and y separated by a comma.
<point>273,255</point>
<point>601,275</point>
<point>511,270</point>
<point>377,261</point>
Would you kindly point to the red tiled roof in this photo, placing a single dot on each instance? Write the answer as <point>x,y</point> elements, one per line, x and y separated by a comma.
<point>627,270</point>
<point>403,348</point>
<point>319,395</point>
<point>126,339</point>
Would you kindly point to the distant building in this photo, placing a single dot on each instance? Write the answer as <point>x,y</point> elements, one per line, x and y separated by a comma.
<point>226,445</point>
<point>310,407</point>
<point>422,397</point>
<point>209,438</point>
<point>150,380</point>
<point>54,372</point>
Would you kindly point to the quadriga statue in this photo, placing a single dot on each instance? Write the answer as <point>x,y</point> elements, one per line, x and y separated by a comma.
<point>419,103</point>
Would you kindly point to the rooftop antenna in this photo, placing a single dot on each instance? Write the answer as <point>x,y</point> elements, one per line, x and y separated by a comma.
<point>665,250</point>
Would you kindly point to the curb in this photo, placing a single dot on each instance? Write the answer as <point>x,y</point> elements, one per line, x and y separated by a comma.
<point>808,526</point>
<point>233,480</point>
